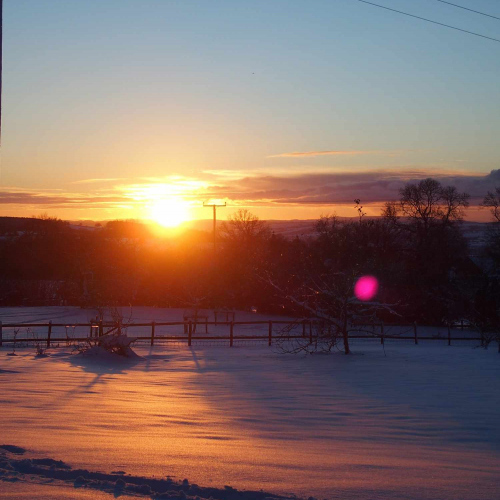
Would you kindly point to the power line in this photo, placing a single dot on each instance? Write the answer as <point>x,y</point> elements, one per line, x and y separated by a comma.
<point>430,20</point>
<point>471,10</point>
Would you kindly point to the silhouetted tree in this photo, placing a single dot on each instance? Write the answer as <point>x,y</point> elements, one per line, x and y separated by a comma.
<point>433,249</point>
<point>244,244</point>
<point>492,249</point>
<point>428,202</point>
<point>492,201</point>
<point>322,284</point>
<point>486,311</point>
<point>244,229</point>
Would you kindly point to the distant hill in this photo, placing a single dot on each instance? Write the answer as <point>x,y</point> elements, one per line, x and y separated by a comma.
<point>16,224</point>
<point>287,228</point>
<point>475,232</point>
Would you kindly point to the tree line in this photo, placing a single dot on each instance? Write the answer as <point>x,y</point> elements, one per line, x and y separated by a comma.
<point>415,249</point>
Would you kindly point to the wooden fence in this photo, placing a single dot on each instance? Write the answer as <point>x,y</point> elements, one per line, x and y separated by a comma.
<point>185,331</point>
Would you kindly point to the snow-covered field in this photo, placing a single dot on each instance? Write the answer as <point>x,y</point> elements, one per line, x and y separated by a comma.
<point>413,422</point>
<point>71,315</point>
<point>68,316</point>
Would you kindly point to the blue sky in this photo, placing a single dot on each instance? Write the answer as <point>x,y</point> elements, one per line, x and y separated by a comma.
<point>105,100</point>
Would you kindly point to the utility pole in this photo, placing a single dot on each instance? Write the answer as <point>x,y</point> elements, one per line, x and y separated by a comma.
<point>214,206</point>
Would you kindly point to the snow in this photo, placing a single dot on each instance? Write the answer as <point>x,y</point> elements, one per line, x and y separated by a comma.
<point>71,315</point>
<point>74,315</point>
<point>52,490</point>
<point>63,314</point>
<point>404,421</point>
<point>39,472</point>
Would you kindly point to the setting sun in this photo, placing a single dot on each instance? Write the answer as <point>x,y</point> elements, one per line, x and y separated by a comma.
<point>169,212</point>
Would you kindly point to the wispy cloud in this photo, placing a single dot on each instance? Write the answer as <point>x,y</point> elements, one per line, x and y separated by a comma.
<point>299,154</point>
<point>304,188</point>
<point>226,174</point>
<point>63,200</point>
<point>100,180</point>
<point>328,188</point>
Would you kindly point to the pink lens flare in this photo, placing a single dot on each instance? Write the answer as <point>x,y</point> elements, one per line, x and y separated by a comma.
<point>366,288</point>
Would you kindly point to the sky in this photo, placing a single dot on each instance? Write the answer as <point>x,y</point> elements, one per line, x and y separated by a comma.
<point>289,108</point>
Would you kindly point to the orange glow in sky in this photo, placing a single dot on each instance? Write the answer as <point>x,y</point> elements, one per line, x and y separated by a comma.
<point>170,212</point>
<point>91,131</point>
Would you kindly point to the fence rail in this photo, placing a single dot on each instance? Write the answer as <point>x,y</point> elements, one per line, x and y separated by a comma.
<point>268,331</point>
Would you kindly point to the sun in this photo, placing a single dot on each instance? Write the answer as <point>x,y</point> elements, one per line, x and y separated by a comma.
<point>169,212</point>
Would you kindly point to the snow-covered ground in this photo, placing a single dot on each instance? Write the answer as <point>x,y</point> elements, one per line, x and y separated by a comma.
<point>67,316</point>
<point>70,315</point>
<point>413,422</point>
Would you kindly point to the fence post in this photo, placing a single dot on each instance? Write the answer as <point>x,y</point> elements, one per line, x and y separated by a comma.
<point>231,333</point>
<point>382,333</point>
<point>152,333</point>
<point>310,332</point>
<point>1,335</point>
<point>270,333</point>
<point>449,334</point>
<point>190,333</point>
<point>101,329</point>
<point>49,333</point>
<point>415,332</point>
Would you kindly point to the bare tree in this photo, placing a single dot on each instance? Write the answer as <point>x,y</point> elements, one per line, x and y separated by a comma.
<point>120,320</point>
<point>428,201</point>
<point>329,297</point>
<point>453,204</point>
<point>322,286</point>
<point>243,227</point>
<point>244,242</point>
<point>115,340</point>
<point>390,211</point>
<point>432,247</point>
<point>492,201</point>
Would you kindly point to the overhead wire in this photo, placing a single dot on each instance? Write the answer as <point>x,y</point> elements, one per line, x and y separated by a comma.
<point>430,20</point>
<point>471,10</point>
